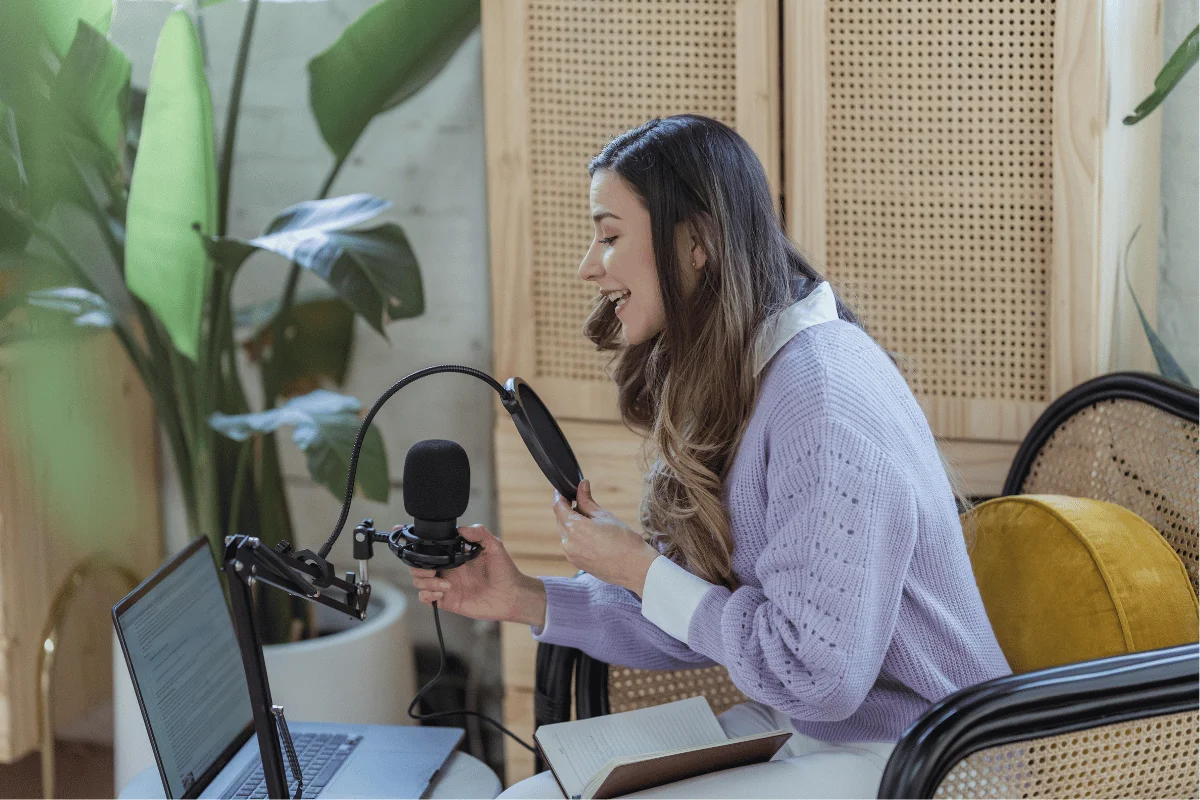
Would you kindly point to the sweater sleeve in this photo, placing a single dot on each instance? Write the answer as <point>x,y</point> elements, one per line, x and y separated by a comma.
<point>606,622</point>
<point>841,524</point>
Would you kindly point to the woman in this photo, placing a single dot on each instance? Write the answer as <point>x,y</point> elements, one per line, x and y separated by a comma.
<point>803,529</point>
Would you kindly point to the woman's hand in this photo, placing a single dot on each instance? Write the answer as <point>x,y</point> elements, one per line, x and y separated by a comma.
<point>488,586</point>
<point>598,543</point>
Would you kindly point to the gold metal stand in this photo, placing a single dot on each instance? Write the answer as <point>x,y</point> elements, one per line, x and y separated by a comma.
<point>90,566</point>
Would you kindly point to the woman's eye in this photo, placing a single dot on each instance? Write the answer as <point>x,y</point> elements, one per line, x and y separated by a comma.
<point>608,242</point>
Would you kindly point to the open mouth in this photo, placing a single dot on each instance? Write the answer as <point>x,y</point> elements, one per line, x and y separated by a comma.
<point>618,298</point>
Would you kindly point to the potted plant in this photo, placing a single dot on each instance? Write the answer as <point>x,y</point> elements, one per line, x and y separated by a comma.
<point>80,148</point>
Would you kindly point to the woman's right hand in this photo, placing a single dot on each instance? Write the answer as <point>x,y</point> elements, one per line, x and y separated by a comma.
<point>488,586</point>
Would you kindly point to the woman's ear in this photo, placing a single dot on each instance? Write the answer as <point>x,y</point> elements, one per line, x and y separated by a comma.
<point>699,255</point>
<point>689,243</point>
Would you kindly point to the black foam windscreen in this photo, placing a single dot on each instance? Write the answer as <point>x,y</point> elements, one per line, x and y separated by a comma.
<point>437,480</point>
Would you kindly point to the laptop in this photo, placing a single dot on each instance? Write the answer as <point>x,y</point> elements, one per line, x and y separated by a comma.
<point>178,638</point>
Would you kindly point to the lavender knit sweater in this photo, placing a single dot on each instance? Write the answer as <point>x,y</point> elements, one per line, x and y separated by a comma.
<point>857,608</point>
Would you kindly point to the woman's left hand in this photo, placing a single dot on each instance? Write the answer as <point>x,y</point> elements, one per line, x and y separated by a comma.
<point>601,545</point>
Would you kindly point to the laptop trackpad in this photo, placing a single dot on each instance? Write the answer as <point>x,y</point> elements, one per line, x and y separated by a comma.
<point>393,762</point>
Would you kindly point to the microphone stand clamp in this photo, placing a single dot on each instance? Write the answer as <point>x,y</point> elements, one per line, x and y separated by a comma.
<point>413,550</point>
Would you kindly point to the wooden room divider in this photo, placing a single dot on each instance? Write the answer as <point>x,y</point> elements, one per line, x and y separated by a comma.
<point>942,162</point>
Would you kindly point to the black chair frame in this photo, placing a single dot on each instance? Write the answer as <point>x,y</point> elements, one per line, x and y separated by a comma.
<point>1174,398</point>
<point>1039,704</point>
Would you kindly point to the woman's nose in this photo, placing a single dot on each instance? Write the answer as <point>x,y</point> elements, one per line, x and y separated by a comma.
<point>590,268</point>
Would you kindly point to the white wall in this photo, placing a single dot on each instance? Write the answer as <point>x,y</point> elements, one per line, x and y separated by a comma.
<point>1179,241</point>
<point>427,158</point>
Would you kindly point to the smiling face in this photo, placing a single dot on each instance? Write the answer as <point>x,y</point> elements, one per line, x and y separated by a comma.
<point>620,260</point>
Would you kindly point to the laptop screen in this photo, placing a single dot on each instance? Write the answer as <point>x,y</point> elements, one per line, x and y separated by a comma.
<point>186,668</point>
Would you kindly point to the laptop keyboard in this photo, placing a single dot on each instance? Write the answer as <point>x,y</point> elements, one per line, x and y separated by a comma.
<point>320,755</point>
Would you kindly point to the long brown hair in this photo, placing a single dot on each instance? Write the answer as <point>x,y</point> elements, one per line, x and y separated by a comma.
<point>691,388</point>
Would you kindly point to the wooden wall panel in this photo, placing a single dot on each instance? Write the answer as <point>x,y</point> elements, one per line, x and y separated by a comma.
<point>1078,125</point>
<point>46,529</point>
<point>609,456</point>
<point>518,717</point>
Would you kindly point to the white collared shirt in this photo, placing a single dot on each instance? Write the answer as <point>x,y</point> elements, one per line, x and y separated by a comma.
<point>671,593</point>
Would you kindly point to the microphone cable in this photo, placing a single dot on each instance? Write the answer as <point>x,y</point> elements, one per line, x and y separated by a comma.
<point>437,623</point>
<point>345,514</point>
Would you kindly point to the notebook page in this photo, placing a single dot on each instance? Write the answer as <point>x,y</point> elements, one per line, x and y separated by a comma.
<point>580,749</point>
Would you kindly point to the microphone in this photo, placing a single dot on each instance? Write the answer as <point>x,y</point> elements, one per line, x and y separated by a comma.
<point>437,487</point>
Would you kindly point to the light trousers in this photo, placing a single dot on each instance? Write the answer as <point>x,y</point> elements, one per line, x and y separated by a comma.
<point>803,768</point>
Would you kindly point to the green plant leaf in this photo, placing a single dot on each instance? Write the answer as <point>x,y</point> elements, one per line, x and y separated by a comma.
<point>325,427</point>
<point>88,308</point>
<point>1168,367</point>
<point>374,271</point>
<point>1182,60</point>
<point>331,214</point>
<point>296,225</point>
<point>380,60</point>
<point>328,448</point>
<point>25,59</point>
<point>75,119</point>
<point>59,18</point>
<point>319,336</point>
<point>12,166</point>
<point>14,185</point>
<point>91,92</point>
<point>173,188</point>
<point>14,234</point>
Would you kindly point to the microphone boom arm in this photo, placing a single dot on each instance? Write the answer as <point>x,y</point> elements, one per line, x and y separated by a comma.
<point>308,575</point>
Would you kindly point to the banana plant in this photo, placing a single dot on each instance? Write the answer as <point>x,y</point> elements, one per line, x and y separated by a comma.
<point>81,148</point>
<point>1178,65</point>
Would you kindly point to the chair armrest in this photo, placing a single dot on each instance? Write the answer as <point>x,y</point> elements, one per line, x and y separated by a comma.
<point>1040,704</point>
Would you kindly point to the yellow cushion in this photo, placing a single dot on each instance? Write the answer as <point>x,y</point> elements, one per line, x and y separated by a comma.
<point>1067,579</point>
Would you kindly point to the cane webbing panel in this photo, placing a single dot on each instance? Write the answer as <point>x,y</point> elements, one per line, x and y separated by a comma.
<point>1131,454</point>
<point>596,70</point>
<point>1152,757</point>
<point>639,688</point>
<point>939,193</point>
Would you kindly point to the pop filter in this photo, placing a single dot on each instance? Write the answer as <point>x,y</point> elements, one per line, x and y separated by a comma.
<point>535,424</point>
<point>543,438</point>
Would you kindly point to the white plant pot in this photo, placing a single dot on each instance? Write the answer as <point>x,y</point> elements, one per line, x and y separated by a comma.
<point>364,673</point>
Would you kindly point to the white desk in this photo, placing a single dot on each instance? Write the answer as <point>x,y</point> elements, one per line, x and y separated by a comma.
<point>462,776</point>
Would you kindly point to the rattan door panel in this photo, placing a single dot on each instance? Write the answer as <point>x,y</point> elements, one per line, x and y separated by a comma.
<point>943,165</point>
<point>561,78</point>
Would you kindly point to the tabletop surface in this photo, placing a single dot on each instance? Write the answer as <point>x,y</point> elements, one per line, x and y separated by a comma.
<point>462,776</point>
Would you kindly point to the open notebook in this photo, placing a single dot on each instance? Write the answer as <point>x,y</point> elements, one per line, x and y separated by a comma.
<point>616,754</point>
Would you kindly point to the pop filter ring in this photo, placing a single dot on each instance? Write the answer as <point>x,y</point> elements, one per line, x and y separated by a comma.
<point>566,484</point>
<point>510,398</point>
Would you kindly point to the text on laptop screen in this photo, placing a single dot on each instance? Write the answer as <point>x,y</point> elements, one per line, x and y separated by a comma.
<point>188,669</point>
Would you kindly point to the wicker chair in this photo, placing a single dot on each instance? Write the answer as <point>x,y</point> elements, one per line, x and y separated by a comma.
<point>1128,438</point>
